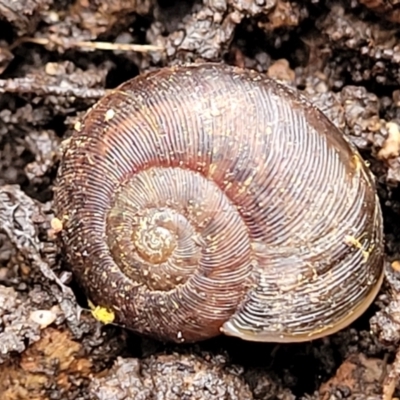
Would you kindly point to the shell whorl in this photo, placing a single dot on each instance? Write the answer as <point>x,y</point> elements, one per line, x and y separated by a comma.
<point>207,198</point>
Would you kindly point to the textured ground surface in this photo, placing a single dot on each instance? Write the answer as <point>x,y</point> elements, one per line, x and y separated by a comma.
<point>56,59</point>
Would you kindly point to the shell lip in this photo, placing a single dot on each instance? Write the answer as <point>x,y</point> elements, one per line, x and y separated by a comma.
<point>231,329</point>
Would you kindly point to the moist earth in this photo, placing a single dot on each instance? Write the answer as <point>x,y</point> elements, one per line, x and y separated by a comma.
<point>57,58</point>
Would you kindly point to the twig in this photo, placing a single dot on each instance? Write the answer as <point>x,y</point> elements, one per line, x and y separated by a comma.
<point>24,85</point>
<point>71,43</point>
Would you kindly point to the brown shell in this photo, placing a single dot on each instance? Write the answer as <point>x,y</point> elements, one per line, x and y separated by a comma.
<point>206,199</point>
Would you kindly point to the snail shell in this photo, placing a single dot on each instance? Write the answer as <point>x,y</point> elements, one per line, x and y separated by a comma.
<point>205,199</point>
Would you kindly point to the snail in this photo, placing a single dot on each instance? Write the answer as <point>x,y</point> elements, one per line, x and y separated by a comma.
<point>206,199</point>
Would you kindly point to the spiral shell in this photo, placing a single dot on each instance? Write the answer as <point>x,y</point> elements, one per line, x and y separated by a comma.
<point>205,198</point>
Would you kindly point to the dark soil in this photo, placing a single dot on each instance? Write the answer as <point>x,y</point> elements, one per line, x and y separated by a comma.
<point>57,57</point>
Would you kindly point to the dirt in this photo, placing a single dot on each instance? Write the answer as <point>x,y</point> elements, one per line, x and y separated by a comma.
<point>56,59</point>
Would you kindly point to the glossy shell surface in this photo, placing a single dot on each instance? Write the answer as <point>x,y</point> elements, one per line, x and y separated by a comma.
<point>205,199</point>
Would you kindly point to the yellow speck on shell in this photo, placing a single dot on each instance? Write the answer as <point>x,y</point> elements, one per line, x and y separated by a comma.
<point>56,225</point>
<point>102,314</point>
<point>351,240</point>
<point>78,126</point>
<point>109,115</point>
<point>357,162</point>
